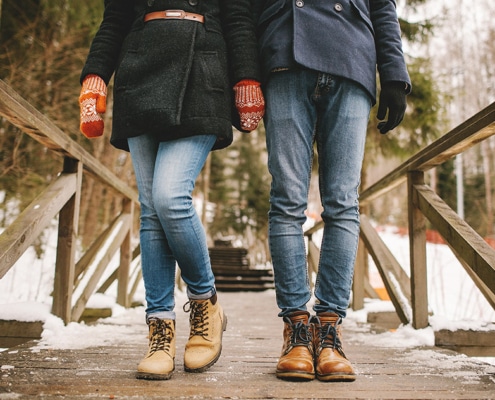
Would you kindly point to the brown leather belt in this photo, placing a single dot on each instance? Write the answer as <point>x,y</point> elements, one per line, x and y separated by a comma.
<point>174,14</point>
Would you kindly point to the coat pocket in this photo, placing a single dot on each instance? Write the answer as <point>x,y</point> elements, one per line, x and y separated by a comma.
<point>207,92</point>
<point>153,78</point>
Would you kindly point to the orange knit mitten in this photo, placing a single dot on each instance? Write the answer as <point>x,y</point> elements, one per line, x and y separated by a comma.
<point>93,102</point>
<point>250,103</point>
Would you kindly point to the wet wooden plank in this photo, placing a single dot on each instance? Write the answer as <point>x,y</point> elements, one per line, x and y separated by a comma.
<point>247,367</point>
<point>472,343</point>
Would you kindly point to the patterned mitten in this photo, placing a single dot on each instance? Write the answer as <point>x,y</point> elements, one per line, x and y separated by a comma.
<point>93,102</point>
<point>250,103</point>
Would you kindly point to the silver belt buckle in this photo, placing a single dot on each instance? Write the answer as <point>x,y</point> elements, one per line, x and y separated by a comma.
<point>175,14</point>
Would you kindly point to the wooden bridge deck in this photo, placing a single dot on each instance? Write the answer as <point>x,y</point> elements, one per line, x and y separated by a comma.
<point>245,370</point>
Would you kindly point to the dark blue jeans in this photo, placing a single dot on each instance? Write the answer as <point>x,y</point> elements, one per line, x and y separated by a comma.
<point>304,107</point>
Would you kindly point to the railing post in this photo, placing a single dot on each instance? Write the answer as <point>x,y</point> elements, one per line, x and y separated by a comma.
<point>417,245</point>
<point>66,246</point>
<point>125,259</point>
<point>360,269</point>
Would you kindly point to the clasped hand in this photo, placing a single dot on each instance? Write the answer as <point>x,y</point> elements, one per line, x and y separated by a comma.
<point>250,103</point>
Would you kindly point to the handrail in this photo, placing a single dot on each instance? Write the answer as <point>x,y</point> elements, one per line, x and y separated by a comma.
<point>476,129</point>
<point>29,120</point>
<point>409,296</point>
<point>62,197</point>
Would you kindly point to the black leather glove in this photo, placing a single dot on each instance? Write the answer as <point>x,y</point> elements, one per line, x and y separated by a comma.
<point>393,99</point>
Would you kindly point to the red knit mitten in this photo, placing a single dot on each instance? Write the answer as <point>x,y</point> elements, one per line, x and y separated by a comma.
<point>93,102</point>
<point>250,103</point>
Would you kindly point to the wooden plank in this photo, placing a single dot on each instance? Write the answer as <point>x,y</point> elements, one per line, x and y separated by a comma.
<point>66,246</point>
<point>479,256</point>
<point>240,280</point>
<point>93,314</point>
<point>244,272</point>
<point>246,368</point>
<point>123,223</point>
<point>19,235</point>
<point>470,342</point>
<point>358,282</point>
<point>137,280</point>
<point>241,287</point>
<point>392,274</point>
<point>90,254</point>
<point>313,262</point>
<point>417,245</point>
<point>21,329</point>
<point>125,258</point>
<point>384,319</point>
<point>15,333</point>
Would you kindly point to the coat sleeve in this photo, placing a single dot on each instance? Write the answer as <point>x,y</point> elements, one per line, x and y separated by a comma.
<point>239,29</point>
<point>390,57</point>
<point>107,43</point>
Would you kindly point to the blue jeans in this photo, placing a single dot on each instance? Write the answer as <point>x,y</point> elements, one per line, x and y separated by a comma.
<point>171,232</point>
<point>303,107</point>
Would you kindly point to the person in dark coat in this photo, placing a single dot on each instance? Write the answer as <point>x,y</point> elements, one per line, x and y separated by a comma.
<point>184,72</point>
<point>319,61</point>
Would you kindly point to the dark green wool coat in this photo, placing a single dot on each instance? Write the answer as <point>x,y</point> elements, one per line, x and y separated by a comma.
<point>174,78</point>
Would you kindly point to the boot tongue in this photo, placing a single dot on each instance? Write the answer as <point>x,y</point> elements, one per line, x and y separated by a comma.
<point>329,318</point>
<point>299,316</point>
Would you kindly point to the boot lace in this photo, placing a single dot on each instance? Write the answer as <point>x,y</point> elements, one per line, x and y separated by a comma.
<point>161,335</point>
<point>329,338</point>
<point>198,318</point>
<point>300,334</point>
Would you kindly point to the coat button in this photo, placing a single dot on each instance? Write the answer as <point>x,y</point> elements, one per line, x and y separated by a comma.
<point>338,7</point>
<point>193,2</point>
<point>299,3</point>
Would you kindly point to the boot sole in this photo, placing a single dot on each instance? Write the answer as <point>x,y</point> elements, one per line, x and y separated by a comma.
<point>153,377</point>
<point>207,366</point>
<point>295,376</point>
<point>336,378</point>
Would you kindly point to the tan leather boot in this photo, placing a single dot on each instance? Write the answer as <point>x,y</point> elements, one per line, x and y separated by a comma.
<point>159,363</point>
<point>331,362</point>
<point>296,361</point>
<point>207,321</point>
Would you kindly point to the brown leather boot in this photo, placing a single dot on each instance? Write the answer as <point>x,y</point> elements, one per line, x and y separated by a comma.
<point>208,322</point>
<point>158,364</point>
<point>331,362</point>
<point>296,361</point>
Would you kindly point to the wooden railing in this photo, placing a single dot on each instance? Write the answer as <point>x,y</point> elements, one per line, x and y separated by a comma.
<point>62,198</point>
<point>409,294</point>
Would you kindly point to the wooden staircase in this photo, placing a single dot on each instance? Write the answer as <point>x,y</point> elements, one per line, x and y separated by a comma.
<point>233,273</point>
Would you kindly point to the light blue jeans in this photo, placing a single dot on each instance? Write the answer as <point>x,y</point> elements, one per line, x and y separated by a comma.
<point>304,106</point>
<point>171,232</point>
